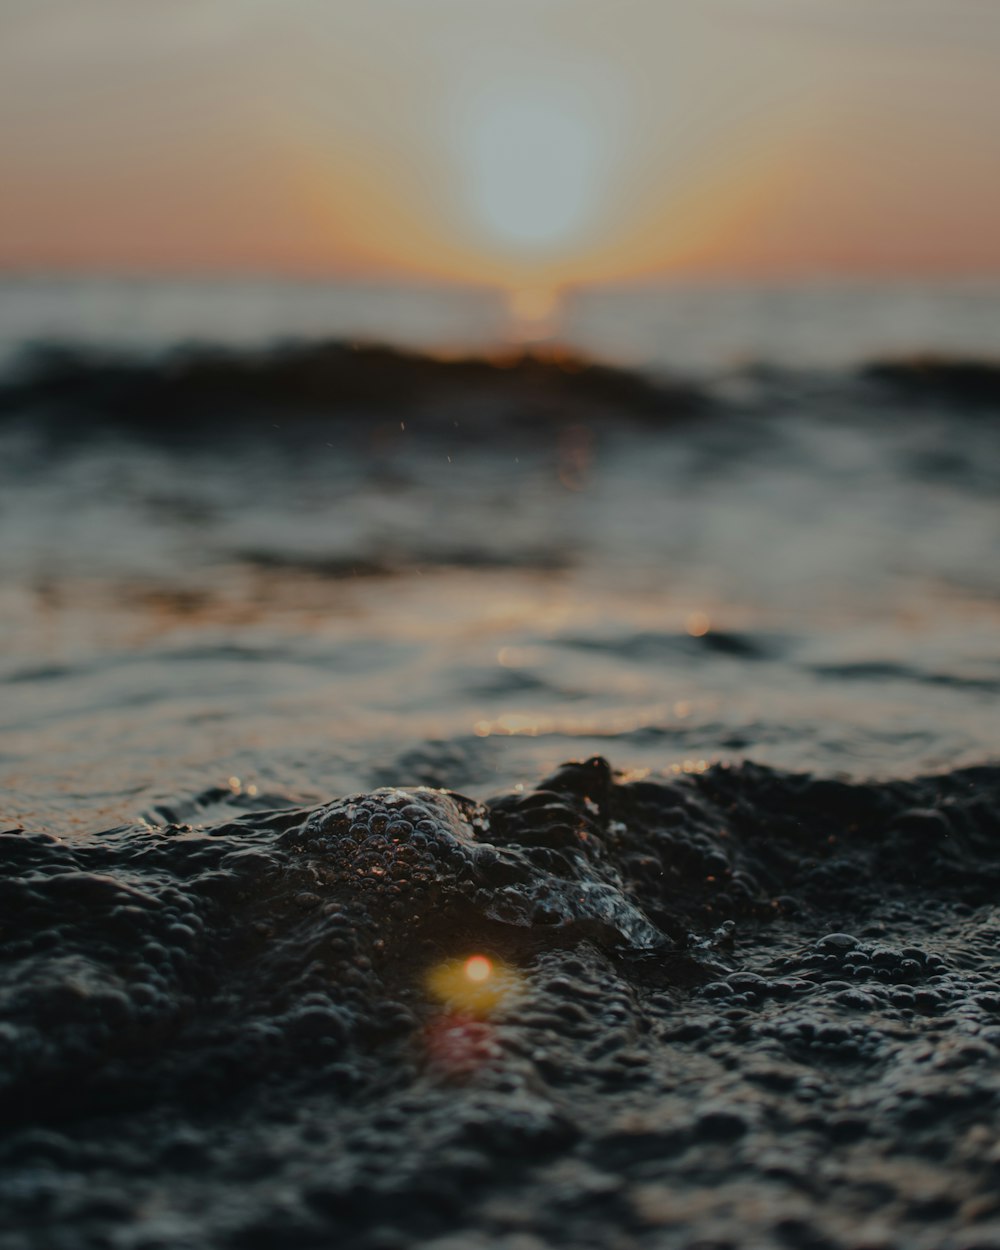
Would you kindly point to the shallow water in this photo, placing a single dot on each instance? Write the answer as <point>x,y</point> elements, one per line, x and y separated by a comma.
<point>222,1026</point>
<point>806,575</point>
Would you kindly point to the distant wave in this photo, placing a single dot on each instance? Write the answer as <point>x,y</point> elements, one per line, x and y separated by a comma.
<point>208,383</point>
<point>204,386</point>
<point>956,380</point>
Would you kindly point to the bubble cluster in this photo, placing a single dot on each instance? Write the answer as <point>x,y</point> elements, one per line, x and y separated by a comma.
<point>402,847</point>
<point>393,842</point>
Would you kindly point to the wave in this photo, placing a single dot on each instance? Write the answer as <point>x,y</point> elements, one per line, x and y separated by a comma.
<point>198,388</point>
<point>189,387</point>
<point>969,383</point>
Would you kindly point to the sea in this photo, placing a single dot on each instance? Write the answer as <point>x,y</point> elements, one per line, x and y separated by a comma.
<point>729,552</point>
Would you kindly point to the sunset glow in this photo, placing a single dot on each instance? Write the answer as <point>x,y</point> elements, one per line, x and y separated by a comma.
<point>529,146</point>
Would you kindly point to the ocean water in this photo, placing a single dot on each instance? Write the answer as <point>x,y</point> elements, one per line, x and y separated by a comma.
<point>741,980</point>
<point>468,587</point>
<point>695,327</point>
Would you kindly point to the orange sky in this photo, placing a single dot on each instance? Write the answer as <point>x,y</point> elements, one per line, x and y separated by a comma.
<point>529,143</point>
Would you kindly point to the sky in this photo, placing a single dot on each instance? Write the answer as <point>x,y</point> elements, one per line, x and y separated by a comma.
<point>526,143</point>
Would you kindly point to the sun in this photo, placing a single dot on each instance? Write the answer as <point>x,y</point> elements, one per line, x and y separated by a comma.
<point>530,156</point>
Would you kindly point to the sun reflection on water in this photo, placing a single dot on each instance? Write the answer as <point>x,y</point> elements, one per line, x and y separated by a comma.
<point>534,313</point>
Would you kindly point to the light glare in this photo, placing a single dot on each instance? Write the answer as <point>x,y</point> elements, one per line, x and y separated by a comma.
<point>478,968</point>
<point>472,987</point>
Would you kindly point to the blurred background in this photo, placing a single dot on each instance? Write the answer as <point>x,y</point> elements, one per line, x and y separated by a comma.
<point>431,171</point>
<point>427,391</point>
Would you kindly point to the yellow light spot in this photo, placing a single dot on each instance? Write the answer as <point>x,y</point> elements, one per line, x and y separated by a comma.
<point>474,986</point>
<point>698,624</point>
<point>478,968</point>
<point>234,783</point>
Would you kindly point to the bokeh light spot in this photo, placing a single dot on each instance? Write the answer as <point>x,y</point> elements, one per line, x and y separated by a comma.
<point>478,968</point>
<point>474,986</point>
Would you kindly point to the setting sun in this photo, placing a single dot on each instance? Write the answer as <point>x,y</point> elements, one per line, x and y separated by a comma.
<point>521,145</point>
<point>531,163</point>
